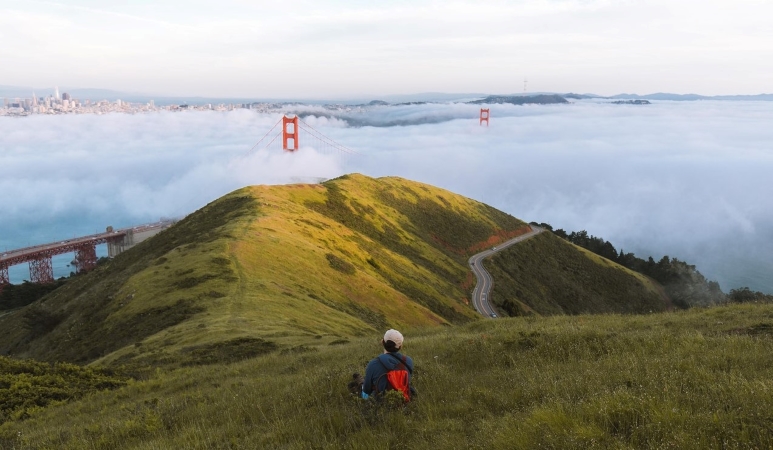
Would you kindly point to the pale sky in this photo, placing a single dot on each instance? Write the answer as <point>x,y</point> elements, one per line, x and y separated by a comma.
<point>339,49</point>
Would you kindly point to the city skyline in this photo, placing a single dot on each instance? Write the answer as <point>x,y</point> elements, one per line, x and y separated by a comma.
<point>339,49</point>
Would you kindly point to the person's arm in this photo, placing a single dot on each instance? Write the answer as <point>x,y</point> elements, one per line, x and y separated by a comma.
<point>409,363</point>
<point>367,385</point>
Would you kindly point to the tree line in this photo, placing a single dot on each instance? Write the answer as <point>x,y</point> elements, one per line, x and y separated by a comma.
<point>682,282</point>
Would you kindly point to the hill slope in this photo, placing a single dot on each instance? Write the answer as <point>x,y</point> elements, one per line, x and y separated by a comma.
<point>693,379</point>
<point>267,267</point>
<point>547,275</point>
<point>292,267</point>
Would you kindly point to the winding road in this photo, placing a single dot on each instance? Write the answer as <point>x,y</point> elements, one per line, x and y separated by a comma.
<point>482,291</point>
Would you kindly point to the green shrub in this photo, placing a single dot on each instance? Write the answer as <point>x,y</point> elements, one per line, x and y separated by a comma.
<point>40,321</point>
<point>339,264</point>
<point>27,386</point>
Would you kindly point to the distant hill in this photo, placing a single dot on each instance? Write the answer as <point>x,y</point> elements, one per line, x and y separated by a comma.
<point>284,267</point>
<point>541,99</point>
<point>693,97</point>
<point>631,102</point>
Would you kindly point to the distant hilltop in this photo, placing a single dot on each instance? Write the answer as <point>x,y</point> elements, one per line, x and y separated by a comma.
<point>632,102</point>
<point>675,97</point>
<point>539,99</point>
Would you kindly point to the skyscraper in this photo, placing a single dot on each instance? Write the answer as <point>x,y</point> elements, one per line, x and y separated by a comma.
<point>56,93</point>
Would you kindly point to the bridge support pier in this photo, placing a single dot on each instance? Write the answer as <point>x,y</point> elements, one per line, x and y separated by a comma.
<point>4,279</point>
<point>119,245</point>
<point>41,270</point>
<point>85,258</point>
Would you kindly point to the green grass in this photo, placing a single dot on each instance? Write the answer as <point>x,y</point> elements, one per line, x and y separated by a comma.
<point>28,386</point>
<point>547,275</point>
<point>300,266</point>
<point>283,264</point>
<point>138,294</point>
<point>697,379</point>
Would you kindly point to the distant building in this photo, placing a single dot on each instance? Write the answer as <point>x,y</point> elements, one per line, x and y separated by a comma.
<point>66,96</point>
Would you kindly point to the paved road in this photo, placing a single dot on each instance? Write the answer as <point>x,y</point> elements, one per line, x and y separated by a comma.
<point>480,295</point>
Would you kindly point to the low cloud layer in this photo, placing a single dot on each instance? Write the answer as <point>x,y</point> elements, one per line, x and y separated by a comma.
<point>684,179</point>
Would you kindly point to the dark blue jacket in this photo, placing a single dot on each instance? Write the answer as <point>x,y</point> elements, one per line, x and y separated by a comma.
<point>376,368</point>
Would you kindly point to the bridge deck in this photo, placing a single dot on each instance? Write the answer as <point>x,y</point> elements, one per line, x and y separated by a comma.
<point>27,254</point>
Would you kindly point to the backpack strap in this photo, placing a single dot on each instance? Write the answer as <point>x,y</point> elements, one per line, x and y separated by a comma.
<point>404,360</point>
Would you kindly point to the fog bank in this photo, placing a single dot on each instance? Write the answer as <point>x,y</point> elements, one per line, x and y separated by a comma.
<point>683,179</point>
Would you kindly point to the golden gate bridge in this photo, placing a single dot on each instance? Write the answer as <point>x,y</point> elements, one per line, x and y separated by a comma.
<point>39,256</point>
<point>290,142</point>
<point>85,248</point>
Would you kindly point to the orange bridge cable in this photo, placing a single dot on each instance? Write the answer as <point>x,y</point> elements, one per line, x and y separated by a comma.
<point>330,142</point>
<point>272,141</point>
<point>326,140</point>
<point>311,130</point>
<point>264,137</point>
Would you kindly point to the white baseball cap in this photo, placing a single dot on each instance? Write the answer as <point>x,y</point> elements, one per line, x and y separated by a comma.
<point>394,336</point>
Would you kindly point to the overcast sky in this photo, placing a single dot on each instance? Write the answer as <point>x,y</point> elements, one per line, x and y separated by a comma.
<point>341,49</point>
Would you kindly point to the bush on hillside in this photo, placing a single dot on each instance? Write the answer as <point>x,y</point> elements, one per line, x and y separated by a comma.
<point>17,295</point>
<point>27,385</point>
<point>683,283</point>
<point>340,264</point>
<point>227,352</point>
<point>746,295</point>
<point>40,321</point>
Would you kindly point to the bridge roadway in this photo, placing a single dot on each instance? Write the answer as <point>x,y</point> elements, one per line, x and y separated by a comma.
<point>482,292</point>
<point>38,252</point>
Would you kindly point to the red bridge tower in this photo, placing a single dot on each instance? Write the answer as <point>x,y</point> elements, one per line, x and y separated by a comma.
<point>287,135</point>
<point>484,114</point>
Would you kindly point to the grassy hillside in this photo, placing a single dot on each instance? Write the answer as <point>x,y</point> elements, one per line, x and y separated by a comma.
<point>28,386</point>
<point>267,268</point>
<point>547,275</point>
<point>695,379</point>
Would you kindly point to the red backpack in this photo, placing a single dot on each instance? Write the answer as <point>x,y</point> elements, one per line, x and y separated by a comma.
<point>397,378</point>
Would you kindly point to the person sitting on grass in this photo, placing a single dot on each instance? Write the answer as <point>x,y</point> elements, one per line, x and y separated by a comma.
<point>390,370</point>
